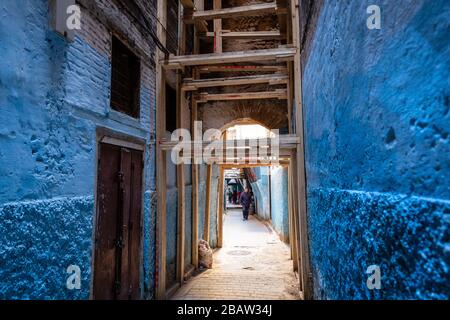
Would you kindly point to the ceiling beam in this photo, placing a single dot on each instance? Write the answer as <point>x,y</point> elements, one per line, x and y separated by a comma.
<point>277,54</point>
<point>271,79</point>
<point>209,69</point>
<point>248,35</point>
<point>236,12</point>
<point>280,94</point>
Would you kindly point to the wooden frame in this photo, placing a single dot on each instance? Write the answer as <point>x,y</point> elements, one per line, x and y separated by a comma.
<point>270,79</point>
<point>161,184</point>
<point>236,12</point>
<point>276,54</point>
<point>302,222</point>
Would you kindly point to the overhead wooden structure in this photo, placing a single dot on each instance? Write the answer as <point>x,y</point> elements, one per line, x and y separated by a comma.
<point>271,79</point>
<point>276,54</point>
<point>270,73</point>
<point>236,12</point>
<point>280,94</point>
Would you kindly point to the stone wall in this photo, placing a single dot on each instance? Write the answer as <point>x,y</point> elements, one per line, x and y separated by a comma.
<point>377,123</point>
<point>53,97</point>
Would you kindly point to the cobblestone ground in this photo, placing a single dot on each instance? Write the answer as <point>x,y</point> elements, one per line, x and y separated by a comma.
<point>253,264</point>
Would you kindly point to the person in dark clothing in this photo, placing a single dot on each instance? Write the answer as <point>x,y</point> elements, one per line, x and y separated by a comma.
<point>245,201</point>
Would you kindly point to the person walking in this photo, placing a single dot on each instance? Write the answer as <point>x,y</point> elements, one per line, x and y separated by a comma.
<point>245,201</point>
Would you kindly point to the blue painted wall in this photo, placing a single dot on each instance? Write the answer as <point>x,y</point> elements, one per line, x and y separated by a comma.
<point>53,96</point>
<point>279,201</point>
<point>261,192</point>
<point>377,115</point>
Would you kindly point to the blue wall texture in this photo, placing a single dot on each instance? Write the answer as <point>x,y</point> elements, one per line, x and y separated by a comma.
<point>377,113</point>
<point>53,96</point>
<point>279,201</point>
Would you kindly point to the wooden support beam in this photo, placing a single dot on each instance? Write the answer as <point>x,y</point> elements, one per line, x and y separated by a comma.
<point>220,205</point>
<point>195,186</point>
<point>271,79</point>
<point>249,35</point>
<point>305,274</point>
<point>248,68</point>
<point>217,5</point>
<point>181,106</point>
<point>285,141</point>
<point>276,54</point>
<point>279,94</point>
<point>206,226</point>
<point>237,12</point>
<point>161,157</point>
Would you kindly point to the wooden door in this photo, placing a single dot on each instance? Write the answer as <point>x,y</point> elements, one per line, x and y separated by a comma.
<point>118,230</point>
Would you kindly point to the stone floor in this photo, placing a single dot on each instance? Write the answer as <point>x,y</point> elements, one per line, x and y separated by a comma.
<point>253,264</point>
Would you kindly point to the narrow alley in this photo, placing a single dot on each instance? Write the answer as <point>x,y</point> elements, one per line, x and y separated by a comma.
<point>252,264</point>
<point>136,137</point>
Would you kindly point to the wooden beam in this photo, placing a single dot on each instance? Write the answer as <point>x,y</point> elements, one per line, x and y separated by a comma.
<point>267,35</point>
<point>237,12</point>
<point>199,26</point>
<point>206,226</point>
<point>305,273</point>
<point>217,5</point>
<point>277,54</point>
<point>195,185</point>
<point>271,79</point>
<point>285,141</point>
<point>161,157</point>
<point>248,68</point>
<point>220,205</point>
<point>180,105</point>
<point>279,94</point>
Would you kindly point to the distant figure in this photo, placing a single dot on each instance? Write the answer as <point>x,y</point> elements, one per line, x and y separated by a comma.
<point>245,200</point>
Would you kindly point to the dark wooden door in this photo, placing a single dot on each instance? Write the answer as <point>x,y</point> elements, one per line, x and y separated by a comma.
<point>118,231</point>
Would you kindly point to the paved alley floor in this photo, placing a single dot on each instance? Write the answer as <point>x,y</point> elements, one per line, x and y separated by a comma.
<point>253,264</point>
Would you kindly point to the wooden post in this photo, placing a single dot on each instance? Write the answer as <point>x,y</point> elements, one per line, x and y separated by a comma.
<point>206,227</point>
<point>194,193</point>
<point>300,156</point>
<point>181,104</point>
<point>220,204</point>
<point>199,5</point>
<point>217,29</point>
<point>161,156</point>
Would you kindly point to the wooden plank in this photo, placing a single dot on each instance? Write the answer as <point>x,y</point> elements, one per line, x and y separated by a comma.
<point>300,158</point>
<point>276,54</point>
<point>265,35</point>
<point>237,12</point>
<point>161,157</point>
<point>248,68</point>
<point>180,105</point>
<point>271,79</point>
<point>195,185</point>
<point>206,226</point>
<point>220,205</point>
<point>285,141</point>
<point>217,4</point>
<point>280,94</point>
